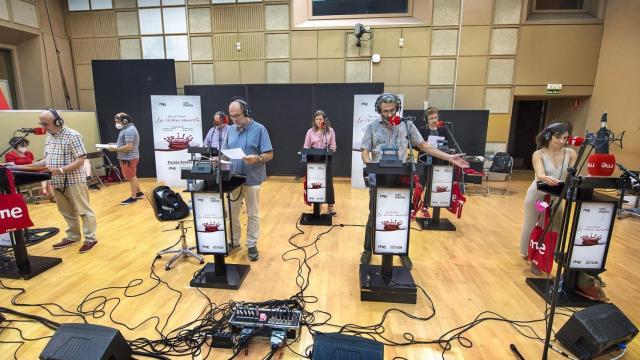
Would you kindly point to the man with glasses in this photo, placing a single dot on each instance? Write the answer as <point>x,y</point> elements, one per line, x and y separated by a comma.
<point>253,138</point>
<point>64,155</point>
<point>389,134</point>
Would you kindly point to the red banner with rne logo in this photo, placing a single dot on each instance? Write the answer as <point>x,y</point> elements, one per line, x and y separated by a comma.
<point>13,209</point>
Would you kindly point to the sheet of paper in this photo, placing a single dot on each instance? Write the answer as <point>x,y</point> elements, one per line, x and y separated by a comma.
<point>235,154</point>
<point>106,146</point>
<point>433,140</point>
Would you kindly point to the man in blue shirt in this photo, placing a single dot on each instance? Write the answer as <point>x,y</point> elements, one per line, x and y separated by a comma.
<point>253,138</point>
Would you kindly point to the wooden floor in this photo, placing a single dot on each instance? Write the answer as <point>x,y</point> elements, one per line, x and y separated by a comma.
<point>465,272</point>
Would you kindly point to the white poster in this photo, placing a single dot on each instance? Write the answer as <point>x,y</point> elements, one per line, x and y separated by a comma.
<point>392,221</point>
<point>210,226</point>
<point>5,239</point>
<point>316,182</point>
<point>177,124</point>
<point>364,113</point>
<point>592,235</point>
<point>441,182</point>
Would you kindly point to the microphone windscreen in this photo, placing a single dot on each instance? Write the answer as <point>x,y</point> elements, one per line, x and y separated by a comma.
<point>601,164</point>
<point>575,141</point>
<point>394,120</point>
<point>39,131</point>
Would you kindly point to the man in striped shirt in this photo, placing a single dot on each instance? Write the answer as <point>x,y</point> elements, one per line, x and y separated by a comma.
<point>64,155</point>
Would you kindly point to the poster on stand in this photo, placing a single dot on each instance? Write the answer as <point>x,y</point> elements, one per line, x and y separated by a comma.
<point>392,221</point>
<point>177,124</point>
<point>210,225</point>
<point>316,182</point>
<point>592,235</point>
<point>441,182</point>
<point>364,113</point>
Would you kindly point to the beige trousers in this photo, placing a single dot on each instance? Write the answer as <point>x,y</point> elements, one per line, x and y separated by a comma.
<point>250,195</point>
<point>74,203</point>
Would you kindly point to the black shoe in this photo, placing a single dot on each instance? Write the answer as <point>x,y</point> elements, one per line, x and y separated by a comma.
<point>254,255</point>
<point>129,201</point>
<point>140,195</point>
<point>406,262</point>
<point>365,258</point>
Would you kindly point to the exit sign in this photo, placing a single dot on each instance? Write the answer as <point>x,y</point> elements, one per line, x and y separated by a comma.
<point>553,89</point>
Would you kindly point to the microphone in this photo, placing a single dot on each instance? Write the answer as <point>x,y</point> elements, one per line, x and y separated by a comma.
<point>575,140</point>
<point>441,124</point>
<point>395,120</point>
<point>34,131</point>
<point>601,163</point>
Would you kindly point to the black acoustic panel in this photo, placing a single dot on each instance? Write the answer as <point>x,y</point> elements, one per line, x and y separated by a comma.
<point>127,86</point>
<point>214,98</point>
<point>86,342</point>
<point>596,330</point>
<point>337,101</point>
<point>469,127</point>
<point>285,110</point>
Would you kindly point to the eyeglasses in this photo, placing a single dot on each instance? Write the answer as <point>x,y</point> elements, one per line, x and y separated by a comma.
<point>388,112</point>
<point>235,116</point>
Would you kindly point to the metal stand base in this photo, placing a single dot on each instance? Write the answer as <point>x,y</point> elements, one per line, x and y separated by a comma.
<point>430,224</point>
<point>542,287</point>
<point>39,264</point>
<point>230,278</point>
<point>184,250</point>
<point>321,220</point>
<point>399,289</point>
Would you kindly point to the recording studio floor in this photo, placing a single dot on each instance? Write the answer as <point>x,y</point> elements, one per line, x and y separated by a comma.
<point>474,269</point>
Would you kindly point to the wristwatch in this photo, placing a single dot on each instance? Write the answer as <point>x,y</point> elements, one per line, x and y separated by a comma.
<point>61,171</point>
<point>260,159</point>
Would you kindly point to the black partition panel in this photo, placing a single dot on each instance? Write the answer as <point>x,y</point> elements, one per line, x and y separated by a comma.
<point>469,127</point>
<point>286,110</point>
<point>213,99</point>
<point>337,101</point>
<point>127,86</point>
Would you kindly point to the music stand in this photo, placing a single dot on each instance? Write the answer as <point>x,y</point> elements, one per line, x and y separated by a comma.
<point>316,185</point>
<point>23,266</point>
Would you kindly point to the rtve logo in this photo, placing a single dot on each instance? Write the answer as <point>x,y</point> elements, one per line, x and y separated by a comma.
<point>15,213</point>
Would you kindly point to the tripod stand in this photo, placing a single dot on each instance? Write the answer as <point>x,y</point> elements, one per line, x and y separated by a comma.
<point>184,250</point>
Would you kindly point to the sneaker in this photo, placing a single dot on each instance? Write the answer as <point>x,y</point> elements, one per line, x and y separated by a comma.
<point>365,258</point>
<point>63,244</point>
<point>94,187</point>
<point>88,245</point>
<point>139,195</point>
<point>129,201</point>
<point>253,253</point>
<point>406,262</point>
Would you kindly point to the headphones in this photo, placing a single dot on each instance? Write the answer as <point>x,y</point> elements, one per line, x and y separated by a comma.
<point>223,117</point>
<point>125,118</point>
<point>548,131</point>
<point>246,110</point>
<point>388,98</point>
<point>57,121</point>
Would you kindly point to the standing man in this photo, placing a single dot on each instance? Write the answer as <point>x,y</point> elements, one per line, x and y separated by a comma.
<point>220,129</point>
<point>128,154</point>
<point>64,155</point>
<point>253,138</point>
<point>383,133</point>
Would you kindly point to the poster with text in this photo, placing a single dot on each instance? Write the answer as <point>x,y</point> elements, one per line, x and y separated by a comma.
<point>592,235</point>
<point>391,221</point>
<point>5,239</point>
<point>441,182</point>
<point>364,113</point>
<point>177,124</point>
<point>210,226</point>
<point>316,182</point>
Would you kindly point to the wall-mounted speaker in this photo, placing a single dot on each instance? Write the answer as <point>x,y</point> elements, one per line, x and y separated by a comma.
<point>596,330</point>
<point>86,342</point>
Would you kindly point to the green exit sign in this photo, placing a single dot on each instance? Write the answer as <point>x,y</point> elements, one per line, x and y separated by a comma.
<point>552,92</point>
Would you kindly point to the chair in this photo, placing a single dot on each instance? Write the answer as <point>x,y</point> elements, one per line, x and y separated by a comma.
<point>476,175</point>
<point>185,250</point>
<point>106,165</point>
<point>500,171</point>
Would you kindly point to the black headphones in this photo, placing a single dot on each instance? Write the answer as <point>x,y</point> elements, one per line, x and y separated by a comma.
<point>57,121</point>
<point>388,98</point>
<point>125,118</point>
<point>548,131</point>
<point>246,109</point>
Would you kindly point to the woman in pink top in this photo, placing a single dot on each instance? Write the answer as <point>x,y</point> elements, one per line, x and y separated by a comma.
<point>322,136</point>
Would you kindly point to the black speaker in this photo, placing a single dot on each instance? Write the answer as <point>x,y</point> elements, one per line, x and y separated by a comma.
<point>596,330</point>
<point>86,342</point>
<point>334,346</point>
